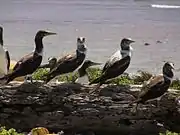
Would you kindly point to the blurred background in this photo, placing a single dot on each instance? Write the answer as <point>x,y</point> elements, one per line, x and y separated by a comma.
<point>102,22</point>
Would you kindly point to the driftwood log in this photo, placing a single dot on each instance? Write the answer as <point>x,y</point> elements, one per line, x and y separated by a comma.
<point>69,107</point>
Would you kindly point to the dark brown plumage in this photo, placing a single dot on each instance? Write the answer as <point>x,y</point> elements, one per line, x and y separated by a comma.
<point>156,86</point>
<point>29,63</point>
<point>70,62</point>
<point>116,65</point>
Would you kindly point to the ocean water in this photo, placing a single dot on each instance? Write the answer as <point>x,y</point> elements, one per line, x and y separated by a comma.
<point>102,22</point>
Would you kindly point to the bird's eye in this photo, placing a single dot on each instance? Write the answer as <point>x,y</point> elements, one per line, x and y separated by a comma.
<point>78,39</point>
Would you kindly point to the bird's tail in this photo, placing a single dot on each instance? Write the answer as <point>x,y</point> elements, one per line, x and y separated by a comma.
<point>97,80</point>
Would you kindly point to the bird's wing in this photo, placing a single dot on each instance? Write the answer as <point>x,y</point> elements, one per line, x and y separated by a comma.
<point>118,65</point>
<point>153,81</point>
<point>68,56</point>
<point>66,59</point>
<point>114,58</point>
<point>23,60</point>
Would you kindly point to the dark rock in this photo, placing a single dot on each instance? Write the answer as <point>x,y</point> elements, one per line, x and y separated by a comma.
<point>159,42</point>
<point>146,44</point>
<point>70,108</point>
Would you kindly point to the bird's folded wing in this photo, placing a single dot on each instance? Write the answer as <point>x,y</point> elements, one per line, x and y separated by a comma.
<point>23,60</point>
<point>63,60</point>
<point>153,81</point>
<point>114,58</point>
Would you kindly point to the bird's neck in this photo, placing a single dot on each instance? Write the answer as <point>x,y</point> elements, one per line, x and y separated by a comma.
<point>52,66</point>
<point>1,39</point>
<point>79,53</point>
<point>126,51</point>
<point>168,75</point>
<point>39,45</point>
<point>82,71</point>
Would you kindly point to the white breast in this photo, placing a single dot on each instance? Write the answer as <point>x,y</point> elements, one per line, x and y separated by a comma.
<point>3,61</point>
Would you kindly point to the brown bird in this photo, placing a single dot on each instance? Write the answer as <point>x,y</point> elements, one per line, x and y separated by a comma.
<point>70,62</point>
<point>117,63</point>
<point>155,86</point>
<point>29,63</point>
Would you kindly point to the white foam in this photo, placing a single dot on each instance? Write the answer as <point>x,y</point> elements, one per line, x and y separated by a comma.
<point>164,6</point>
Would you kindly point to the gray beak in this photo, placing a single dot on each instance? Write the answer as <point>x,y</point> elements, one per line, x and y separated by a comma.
<point>50,33</point>
<point>132,41</point>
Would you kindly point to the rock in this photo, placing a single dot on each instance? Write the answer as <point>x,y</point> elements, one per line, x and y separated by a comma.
<point>159,42</point>
<point>146,44</point>
<point>70,108</point>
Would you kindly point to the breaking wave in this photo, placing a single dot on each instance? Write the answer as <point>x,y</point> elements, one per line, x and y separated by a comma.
<point>164,6</point>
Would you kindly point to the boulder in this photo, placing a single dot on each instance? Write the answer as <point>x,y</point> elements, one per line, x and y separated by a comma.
<point>70,108</point>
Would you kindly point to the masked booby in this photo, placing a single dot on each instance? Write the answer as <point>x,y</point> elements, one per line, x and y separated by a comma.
<point>82,73</point>
<point>117,63</point>
<point>29,63</point>
<point>70,62</point>
<point>156,86</point>
<point>4,56</point>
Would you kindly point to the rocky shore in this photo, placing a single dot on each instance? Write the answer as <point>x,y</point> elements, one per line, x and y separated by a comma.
<point>70,108</point>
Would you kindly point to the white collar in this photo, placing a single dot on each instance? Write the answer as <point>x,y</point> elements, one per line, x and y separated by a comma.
<point>167,77</point>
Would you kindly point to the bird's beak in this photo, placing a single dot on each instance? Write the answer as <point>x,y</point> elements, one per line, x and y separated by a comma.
<point>95,63</point>
<point>132,41</point>
<point>50,33</point>
<point>172,65</point>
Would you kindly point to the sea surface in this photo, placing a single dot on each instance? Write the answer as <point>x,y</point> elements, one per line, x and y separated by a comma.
<point>102,22</point>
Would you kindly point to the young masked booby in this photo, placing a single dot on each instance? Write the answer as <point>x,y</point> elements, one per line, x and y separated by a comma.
<point>29,63</point>
<point>156,86</point>
<point>82,73</point>
<point>70,62</point>
<point>52,61</point>
<point>4,56</point>
<point>117,63</point>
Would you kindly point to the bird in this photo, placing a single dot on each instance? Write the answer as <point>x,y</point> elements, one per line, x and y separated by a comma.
<point>30,62</point>
<point>82,73</point>
<point>71,62</point>
<point>52,61</point>
<point>156,86</point>
<point>4,56</point>
<point>117,63</point>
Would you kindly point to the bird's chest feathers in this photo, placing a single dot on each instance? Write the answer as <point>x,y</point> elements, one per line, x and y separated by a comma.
<point>39,53</point>
<point>125,53</point>
<point>80,60</point>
